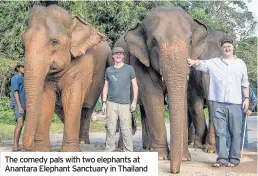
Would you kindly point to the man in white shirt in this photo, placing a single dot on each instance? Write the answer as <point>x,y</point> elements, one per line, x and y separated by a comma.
<point>228,74</point>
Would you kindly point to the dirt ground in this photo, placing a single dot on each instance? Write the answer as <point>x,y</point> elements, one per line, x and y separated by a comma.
<point>201,161</point>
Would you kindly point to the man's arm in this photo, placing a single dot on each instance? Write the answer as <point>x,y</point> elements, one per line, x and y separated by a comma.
<point>245,85</point>
<point>135,94</point>
<point>105,91</point>
<point>201,65</point>
<point>135,90</point>
<point>104,96</point>
<point>17,98</point>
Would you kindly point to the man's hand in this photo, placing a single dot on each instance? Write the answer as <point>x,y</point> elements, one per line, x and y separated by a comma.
<point>133,106</point>
<point>249,112</point>
<point>192,62</point>
<point>104,108</point>
<point>21,110</point>
<point>246,105</point>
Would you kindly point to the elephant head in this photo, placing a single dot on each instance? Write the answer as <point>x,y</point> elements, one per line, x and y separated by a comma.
<point>212,49</point>
<point>51,39</point>
<point>163,41</point>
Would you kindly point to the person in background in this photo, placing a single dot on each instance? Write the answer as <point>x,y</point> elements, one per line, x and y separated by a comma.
<point>18,102</point>
<point>253,103</point>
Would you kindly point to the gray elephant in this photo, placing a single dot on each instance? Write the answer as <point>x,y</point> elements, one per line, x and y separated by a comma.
<point>157,48</point>
<point>198,96</point>
<point>64,70</point>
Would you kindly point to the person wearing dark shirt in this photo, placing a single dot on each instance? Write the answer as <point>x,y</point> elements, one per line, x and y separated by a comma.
<point>18,102</point>
<point>116,100</point>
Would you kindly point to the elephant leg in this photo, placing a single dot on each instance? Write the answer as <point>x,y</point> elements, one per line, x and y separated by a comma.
<point>72,98</point>
<point>146,137</point>
<point>153,103</point>
<point>210,146</point>
<point>186,154</point>
<point>191,131</point>
<point>60,112</point>
<point>85,125</point>
<point>42,141</point>
<point>120,141</point>
<point>199,122</point>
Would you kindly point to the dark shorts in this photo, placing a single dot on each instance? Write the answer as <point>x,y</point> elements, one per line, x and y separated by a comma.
<point>17,114</point>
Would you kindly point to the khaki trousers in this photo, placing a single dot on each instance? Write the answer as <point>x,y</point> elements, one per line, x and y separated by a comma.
<point>115,110</point>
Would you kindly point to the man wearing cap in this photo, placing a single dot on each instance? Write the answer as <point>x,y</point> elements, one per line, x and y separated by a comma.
<point>228,76</point>
<point>116,100</point>
<point>18,102</point>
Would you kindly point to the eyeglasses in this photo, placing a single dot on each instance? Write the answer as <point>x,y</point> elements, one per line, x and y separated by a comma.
<point>118,53</point>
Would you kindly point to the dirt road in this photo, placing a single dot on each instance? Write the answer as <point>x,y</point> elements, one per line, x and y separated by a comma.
<point>201,161</point>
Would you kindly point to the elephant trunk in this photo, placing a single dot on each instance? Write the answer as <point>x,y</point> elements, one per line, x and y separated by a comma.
<point>174,71</point>
<point>34,76</point>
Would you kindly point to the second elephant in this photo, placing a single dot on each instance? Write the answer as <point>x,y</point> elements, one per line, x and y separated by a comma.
<point>157,48</point>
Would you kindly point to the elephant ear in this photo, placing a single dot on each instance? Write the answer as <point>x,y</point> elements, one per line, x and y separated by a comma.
<point>84,36</point>
<point>198,39</point>
<point>137,45</point>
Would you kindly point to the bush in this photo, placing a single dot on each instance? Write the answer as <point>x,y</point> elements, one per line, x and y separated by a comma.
<point>7,71</point>
<point>7,114</point>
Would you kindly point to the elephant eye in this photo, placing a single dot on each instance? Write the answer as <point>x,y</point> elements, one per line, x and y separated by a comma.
<point>54,42</point>
<point>153,42</point>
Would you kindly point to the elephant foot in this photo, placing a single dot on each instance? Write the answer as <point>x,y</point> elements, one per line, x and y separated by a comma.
<point>163,156</point>
<point>186,155</point>
<point>191,143</point>
<point>146,145</point>
<point>41,147</point>
<point>27,143</point>
<point>84,141</point>
<point>209,148</point>
<point>175,171</point>
<point>120,144</point>
<point>70,148</point>
<point>197,144</point>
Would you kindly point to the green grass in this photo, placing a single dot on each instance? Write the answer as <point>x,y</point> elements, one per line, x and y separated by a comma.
<point>254,114</point>
<point>6,130</point>
<point>206,113</point>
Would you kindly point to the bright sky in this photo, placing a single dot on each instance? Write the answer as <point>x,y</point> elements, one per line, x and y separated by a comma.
<point>253,7</point>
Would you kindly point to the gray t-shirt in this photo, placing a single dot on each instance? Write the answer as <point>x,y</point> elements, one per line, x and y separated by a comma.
<point>119,82</point>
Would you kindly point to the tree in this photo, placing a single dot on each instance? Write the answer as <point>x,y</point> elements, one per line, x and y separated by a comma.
<point>113,18</point>
<point>247,50</point>
<point>229,16</point>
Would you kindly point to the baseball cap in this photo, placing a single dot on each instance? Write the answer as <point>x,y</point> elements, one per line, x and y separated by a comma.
<point>226,41</point>
<point>118,50</point>
<point>18,65</point>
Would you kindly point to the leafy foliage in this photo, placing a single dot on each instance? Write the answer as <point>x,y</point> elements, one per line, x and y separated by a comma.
<point>7,71</point>
<point>113,18</point>
<point>247,50</point>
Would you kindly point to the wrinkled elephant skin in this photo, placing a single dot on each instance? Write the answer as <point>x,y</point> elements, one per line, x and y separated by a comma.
<point>65,59</point>
<point>157,48</point>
